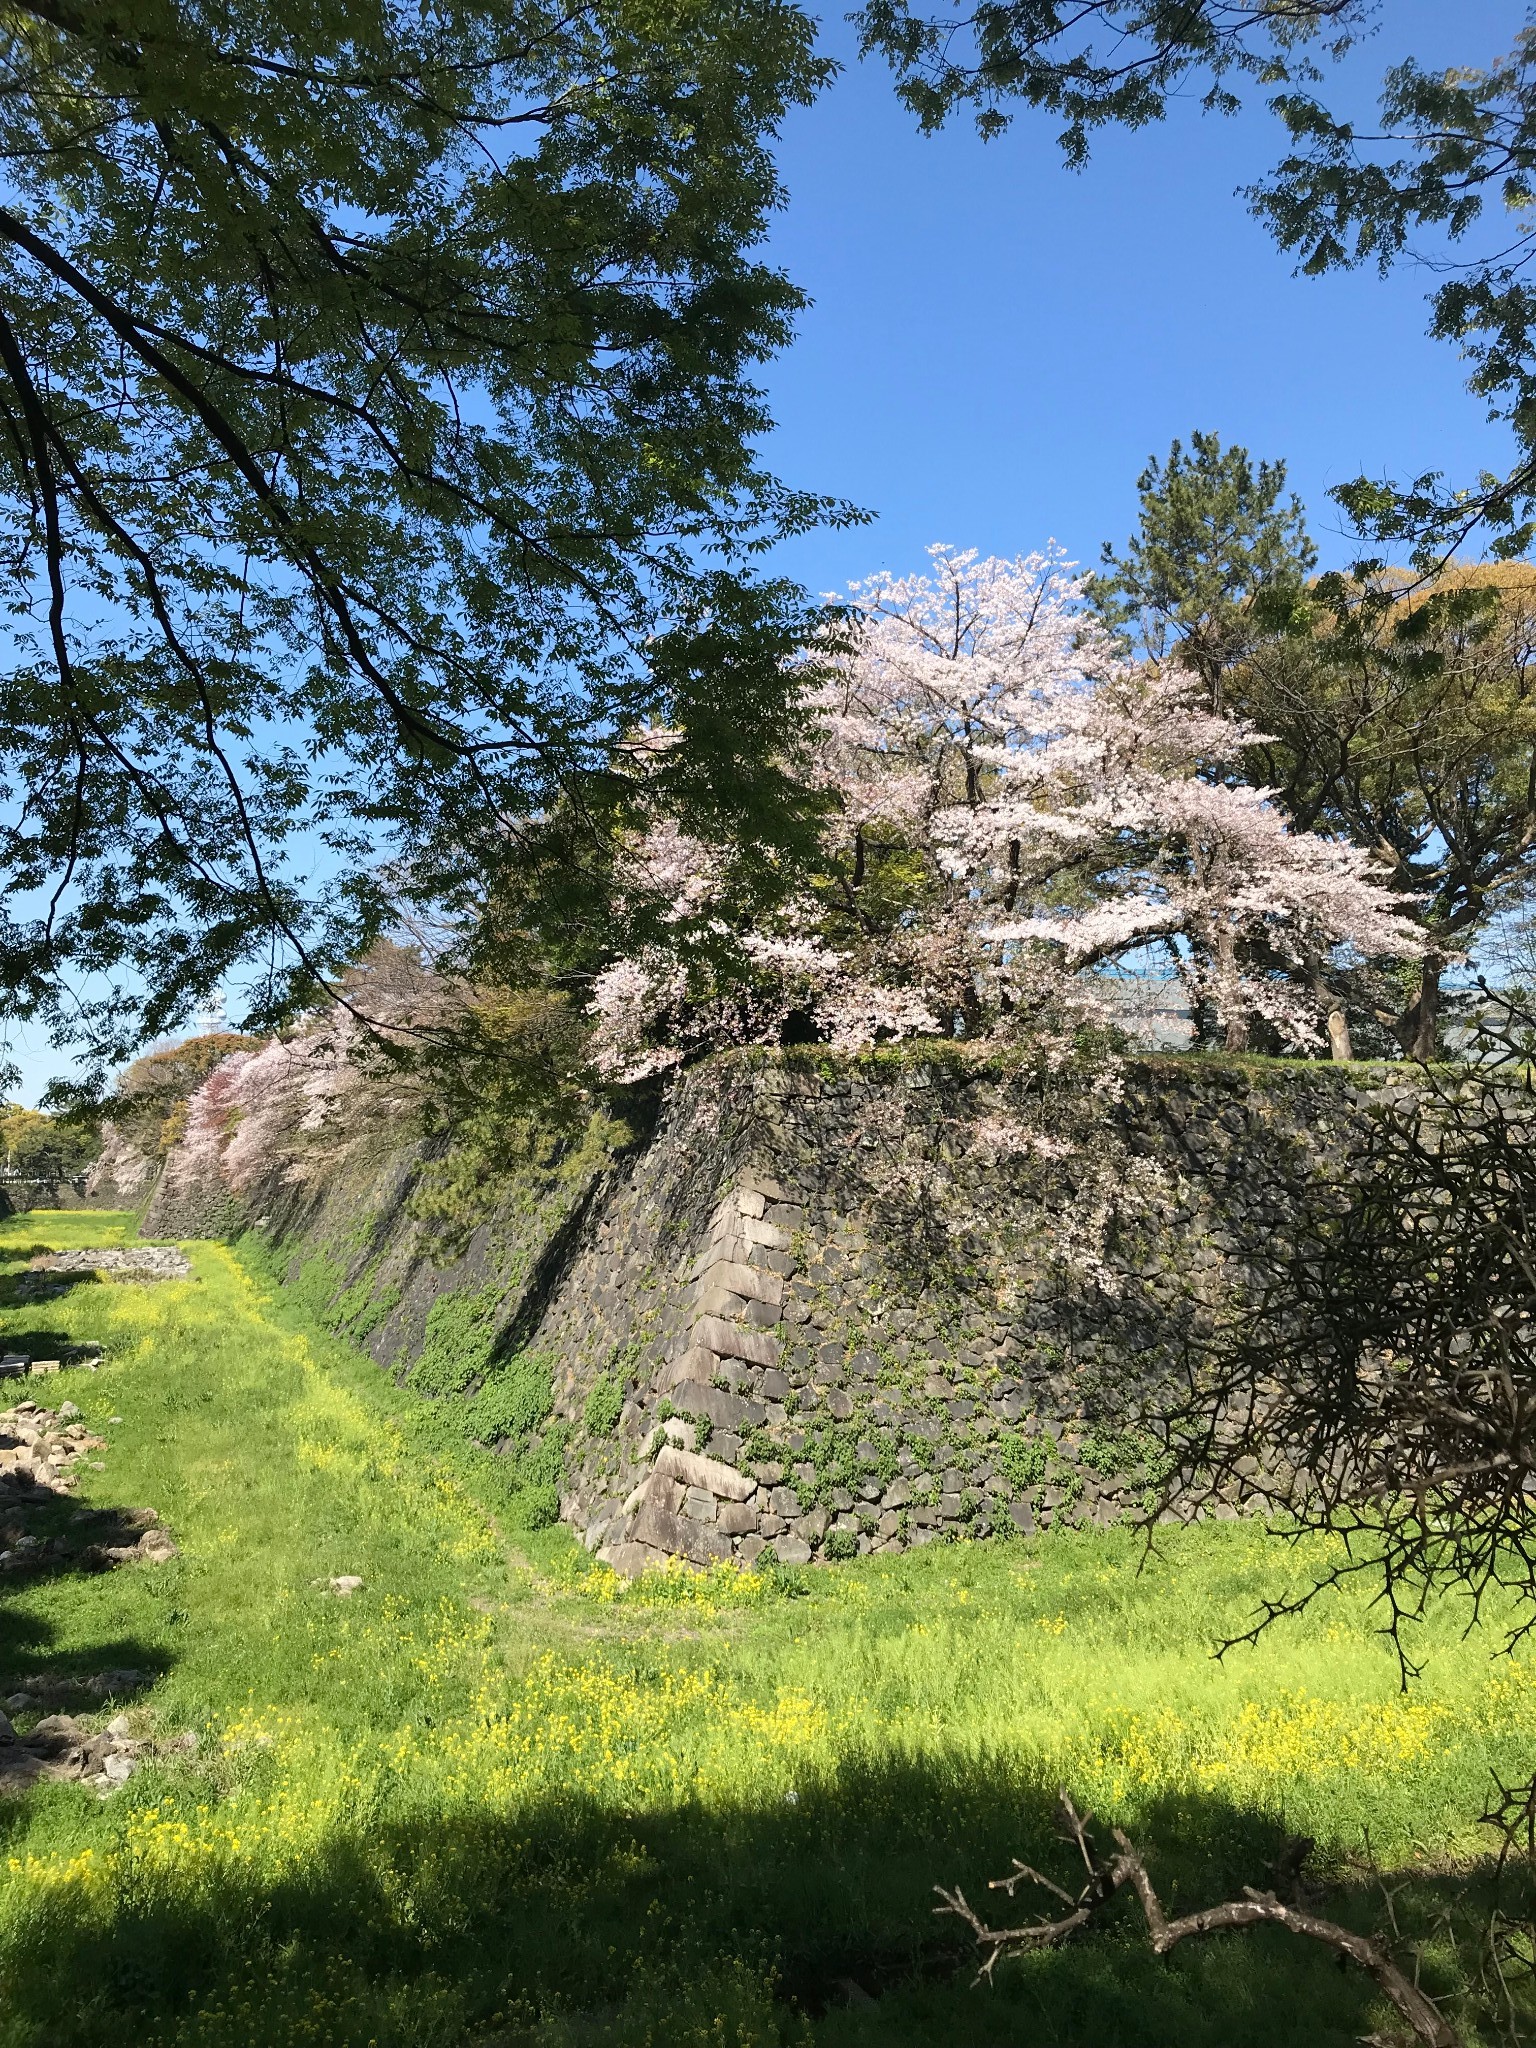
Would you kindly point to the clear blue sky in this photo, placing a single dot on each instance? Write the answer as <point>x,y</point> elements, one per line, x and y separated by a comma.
<point>997,344</point>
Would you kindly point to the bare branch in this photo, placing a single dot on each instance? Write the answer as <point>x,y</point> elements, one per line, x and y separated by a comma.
<point>1126,1868</point>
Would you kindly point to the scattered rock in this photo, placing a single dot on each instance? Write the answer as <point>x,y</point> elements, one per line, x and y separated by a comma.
<point>105,1684</point>
<point>129,1262</point>
<point>38,1448</point>
<point>344,1586</point>
<point>60,1748</point>
<point>52,1686</point>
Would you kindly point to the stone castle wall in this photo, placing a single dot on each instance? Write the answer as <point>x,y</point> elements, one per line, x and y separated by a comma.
<point>845,1306</point>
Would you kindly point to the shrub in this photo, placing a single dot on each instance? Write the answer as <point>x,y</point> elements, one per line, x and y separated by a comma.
<point>1023,1460</point>
<point>515,1398</point>
<point>457,1342</point>
<point>604,1406</point>
<point>360,1308</point>
<point>841,1544</point>
<point>535,1507</point>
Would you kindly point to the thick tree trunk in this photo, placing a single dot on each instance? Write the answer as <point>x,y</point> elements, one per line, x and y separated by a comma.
<point>1234,1019</point>
<point>1418,1029</point>
<point>1332,1007</point>
<point>1339,1046</point>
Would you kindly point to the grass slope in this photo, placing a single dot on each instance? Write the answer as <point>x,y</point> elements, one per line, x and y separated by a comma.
<point>498,1799</point>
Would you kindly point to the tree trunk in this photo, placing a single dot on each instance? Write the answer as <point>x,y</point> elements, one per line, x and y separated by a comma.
<point>1234,1018</point>
<point>1418,1029</point>
<point>1334,1017</point>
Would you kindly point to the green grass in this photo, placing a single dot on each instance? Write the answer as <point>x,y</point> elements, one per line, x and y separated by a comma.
<point>498,1799</point>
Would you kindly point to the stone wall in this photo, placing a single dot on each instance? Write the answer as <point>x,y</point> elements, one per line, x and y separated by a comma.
<point>17,1196</point>
<point>841,1306</point>
<point>932,1299</point>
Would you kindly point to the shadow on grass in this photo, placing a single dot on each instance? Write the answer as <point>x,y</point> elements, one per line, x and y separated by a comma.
<point>45,1537</point>
<point>748,1927</point>
<point>36,1343</point>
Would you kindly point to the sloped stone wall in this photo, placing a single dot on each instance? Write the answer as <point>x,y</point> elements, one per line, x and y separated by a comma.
<point>892,1330</point>
<point>841,1306</point>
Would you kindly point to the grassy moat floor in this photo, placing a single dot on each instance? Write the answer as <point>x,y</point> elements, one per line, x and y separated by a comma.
<point>497,1798</point>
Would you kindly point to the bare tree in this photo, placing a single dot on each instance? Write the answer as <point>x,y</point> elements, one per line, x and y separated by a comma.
<point>1107,1874</point>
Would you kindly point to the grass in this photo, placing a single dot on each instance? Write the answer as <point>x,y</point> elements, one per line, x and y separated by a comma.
<point>497,1798</point>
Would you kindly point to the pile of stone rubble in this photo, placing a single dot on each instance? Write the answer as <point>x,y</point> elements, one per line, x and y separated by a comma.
<point>134,1261</point>
<point>58,1747</point>
<point>40,1447</point>
<point>53,1274</point>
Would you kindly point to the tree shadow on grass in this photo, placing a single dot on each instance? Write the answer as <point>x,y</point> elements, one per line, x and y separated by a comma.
<point>47,1537</point>
<point>567,1924</point>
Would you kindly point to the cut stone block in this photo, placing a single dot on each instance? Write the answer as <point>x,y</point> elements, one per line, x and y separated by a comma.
<point>720,1301</point>
<point>629,1560</point>
<point>725,1411</point>
<point>731,1341</point>
<point>749,1202</point>
<point>693,1364</point>
<point>656,1488</point>
<point>735,1518</point>
<point>694,1470</point>
<point>693,1540</point>
<point>768,1235</point>
<point>728,1249</point>
<point>751,1282</point>
<point>792,1550</point>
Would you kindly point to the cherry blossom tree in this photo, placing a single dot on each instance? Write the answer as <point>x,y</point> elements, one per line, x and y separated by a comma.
<point>1114,822</point>
<point>1010,803</point>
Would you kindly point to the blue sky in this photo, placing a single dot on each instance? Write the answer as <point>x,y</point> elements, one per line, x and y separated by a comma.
<point>997,344</point>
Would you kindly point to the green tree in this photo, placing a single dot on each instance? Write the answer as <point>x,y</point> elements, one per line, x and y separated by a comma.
<point>376,467</point>
<point>41,1147</point>
<point>1454,157</point>
<point>1403,714</point>
<point>1219,550</point>
<point>1096,62</point>
<point>1394,713</point>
